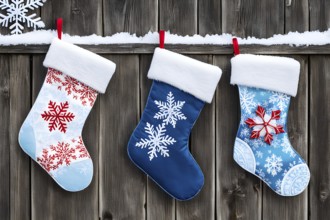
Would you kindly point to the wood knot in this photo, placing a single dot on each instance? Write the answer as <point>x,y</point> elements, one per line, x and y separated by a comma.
<point>76,11</point>
<point>4,91</point>
<point>107,216</point>
<point>324,194</point>
<point>237,191</point>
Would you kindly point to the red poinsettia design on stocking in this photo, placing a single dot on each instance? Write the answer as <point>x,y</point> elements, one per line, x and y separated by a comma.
<point>58,116</point>
<point>264,125</point>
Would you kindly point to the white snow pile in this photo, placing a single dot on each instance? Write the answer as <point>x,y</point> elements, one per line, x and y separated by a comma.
<point>46,36</point>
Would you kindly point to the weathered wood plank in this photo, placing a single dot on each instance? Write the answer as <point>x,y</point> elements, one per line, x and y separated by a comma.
<point>160,205</point>
<point>202,146</point>
<point>209,17</point>
<point>296,15</point>
<point>278,207</point>
<point>19,162</point>
<point>57,203</point>
<point>319,15</point>
<point>130,16</point>
<point>80,17</point>
<point>253,17</point>
<point>122,185</point>
<point>179,48</point>
<point>178,17</point>
<point>238,193</point>
<point>4,138</point>
<point>319,142</point>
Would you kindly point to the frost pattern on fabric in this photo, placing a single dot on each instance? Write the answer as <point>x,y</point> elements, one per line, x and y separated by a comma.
<point>275,158</point>
<point>244,156</point>
<point>295,180</point>
<point>58,116</point>
<point>62,153</point>
<point>16,15</point>
<point>157,141</point>
<point>170,111</point>
<point>72,87</point>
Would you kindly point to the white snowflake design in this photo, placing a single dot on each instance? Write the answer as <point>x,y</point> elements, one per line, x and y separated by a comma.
<point>280,99</point>
<point>283,118</point>
<point>243,117</point>
<point>246,99</point>
<point>255,143</point>
<point>260,172</point>
<point>278,185</point>
<point>245,132</point>
<point>267,181</point>
<point>170,111</point>
<point>157,141</point>
<point>276,142</point>
<point>294,163</point>
<point>274,165</point>
<point>259,154</point>
<point>84,169</point>
<point>16,15</point>
<point>286,148</point>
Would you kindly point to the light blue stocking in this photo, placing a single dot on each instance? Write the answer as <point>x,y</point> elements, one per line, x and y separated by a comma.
<point>262,145</point>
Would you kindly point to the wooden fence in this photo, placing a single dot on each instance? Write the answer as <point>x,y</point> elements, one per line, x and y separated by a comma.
<point>119,190</point>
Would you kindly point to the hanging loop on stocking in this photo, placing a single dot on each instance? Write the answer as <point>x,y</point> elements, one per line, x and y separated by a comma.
<point>59,25</point>
<point>235,46</point>
<point>161,38</point>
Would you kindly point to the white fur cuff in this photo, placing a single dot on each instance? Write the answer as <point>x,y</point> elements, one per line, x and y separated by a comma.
<point>279,74</point>
<point>190,75</point>
<point>83,65</point>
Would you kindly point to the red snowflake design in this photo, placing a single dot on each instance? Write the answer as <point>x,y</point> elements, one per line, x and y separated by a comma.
<point>63,152</point>
<point>87,94</point>
<point>82,149</point>
<point>264,125</point>
<point>72,86</point>
<point>46,161</point>
<point>53,76</point>
<point>58,116</point>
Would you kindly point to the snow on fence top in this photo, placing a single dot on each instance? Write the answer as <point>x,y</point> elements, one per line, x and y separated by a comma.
<point>45,37</point>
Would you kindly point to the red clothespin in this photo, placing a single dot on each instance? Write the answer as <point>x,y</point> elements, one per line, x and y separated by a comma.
<point>161,38</point>
<point>59,25</point>
<point>235,46</point>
